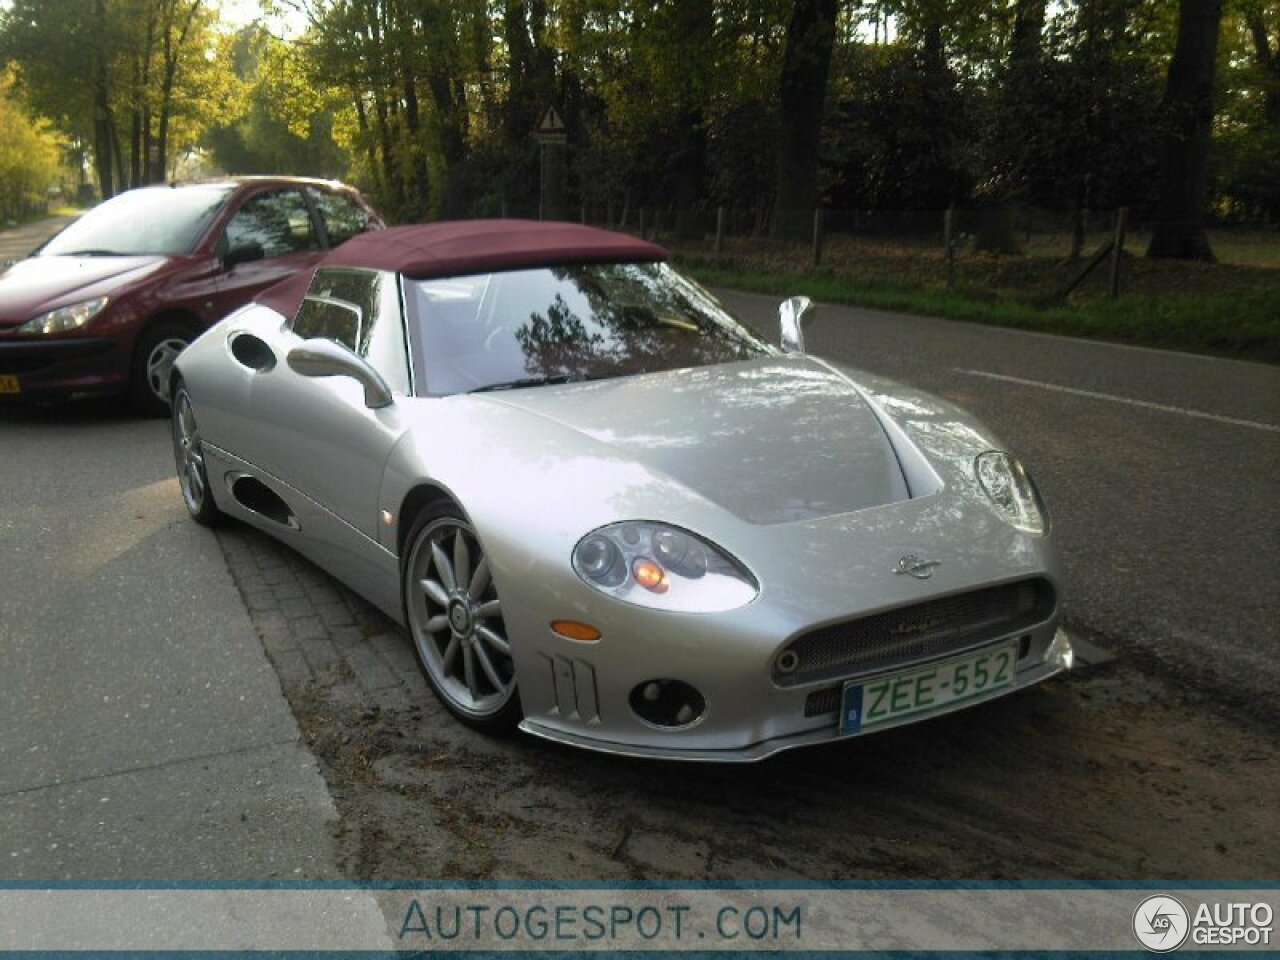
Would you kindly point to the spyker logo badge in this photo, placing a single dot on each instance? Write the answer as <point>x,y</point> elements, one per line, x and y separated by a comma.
<point>913,566</point>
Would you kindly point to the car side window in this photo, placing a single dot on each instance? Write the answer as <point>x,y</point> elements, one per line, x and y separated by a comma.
<point>360,309</point>
<point>343,216</point>
<point>278,220</point>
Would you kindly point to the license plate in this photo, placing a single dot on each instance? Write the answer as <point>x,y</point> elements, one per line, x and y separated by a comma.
<point>895,695</point>
<point>10,385</point>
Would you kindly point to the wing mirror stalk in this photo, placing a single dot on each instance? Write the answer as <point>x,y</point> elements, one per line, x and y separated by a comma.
<point>793,314</point>
<point>318,357</point>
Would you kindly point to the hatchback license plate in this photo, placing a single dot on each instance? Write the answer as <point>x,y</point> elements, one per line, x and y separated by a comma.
<point>10,385</point>
<point>895,695</point>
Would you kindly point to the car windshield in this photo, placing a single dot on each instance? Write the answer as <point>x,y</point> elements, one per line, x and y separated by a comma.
<point>153,220</point>
<point>525,328</point>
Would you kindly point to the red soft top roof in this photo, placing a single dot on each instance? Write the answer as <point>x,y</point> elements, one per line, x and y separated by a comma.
<point>457,247</point>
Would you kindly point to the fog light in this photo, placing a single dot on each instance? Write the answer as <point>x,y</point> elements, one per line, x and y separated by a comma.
<point>667,703</point>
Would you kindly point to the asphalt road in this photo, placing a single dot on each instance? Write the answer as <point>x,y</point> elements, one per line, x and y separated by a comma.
<point>1161,471</point>
<point>143,732</point>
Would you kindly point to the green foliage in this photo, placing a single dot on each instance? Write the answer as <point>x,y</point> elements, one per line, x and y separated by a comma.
<point>285,124</point>
<point>29,156</point>
<point>674,107</point>
<point>135,80</point>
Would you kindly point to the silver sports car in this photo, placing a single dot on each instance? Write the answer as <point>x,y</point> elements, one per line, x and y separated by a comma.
<point>608,513</point>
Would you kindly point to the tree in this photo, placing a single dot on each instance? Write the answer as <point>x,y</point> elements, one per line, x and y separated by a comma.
<point>118,76</point>
<point>802,92</point>
<point>283,122</point>
<point>28,155</point>
<point>1183,179</point>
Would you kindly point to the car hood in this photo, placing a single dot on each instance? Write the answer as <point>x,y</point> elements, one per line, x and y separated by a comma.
<point>37,284</point>
<point>774,440</point>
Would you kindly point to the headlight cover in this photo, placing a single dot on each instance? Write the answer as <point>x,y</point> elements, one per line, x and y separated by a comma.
<point>72,317</point>
<point>657,565</point>
<point>1009,488</point>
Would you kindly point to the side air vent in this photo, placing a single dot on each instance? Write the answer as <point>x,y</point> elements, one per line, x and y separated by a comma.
<point>252,352</point>
<point>256,497</point>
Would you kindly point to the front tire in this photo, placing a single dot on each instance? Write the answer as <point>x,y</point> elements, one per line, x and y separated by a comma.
<point>188,455</point>
<point>455,621</point>
<point>153,357</point>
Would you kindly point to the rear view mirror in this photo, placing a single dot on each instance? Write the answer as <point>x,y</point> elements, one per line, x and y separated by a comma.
<point>243,253</point>
<point>319,357</point>
<point>793,313</point>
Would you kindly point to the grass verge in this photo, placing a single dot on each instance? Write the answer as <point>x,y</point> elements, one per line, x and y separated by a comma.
<point>1242,322</point>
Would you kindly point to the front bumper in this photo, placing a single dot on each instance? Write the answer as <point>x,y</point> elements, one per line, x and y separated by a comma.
<point>1056,658</point>
<point>47,367</point>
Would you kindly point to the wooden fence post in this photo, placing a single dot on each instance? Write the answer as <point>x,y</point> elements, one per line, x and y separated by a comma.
<point>1117,248</point>
<point>719,247</point>
<point>817,237</point>
<point>949,244</point>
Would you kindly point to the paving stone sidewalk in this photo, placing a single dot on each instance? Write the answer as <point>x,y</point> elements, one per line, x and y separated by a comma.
<point>316,631</point>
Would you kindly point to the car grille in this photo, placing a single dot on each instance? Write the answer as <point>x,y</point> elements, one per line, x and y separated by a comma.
<point>922,631</point>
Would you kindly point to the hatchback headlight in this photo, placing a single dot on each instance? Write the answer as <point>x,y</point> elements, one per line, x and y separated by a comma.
<point>661,566</point>
<point>65,318</point>
<point>1009,488</point>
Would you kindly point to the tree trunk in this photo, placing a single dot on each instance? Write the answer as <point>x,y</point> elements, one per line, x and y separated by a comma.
<point>801,94</point>
<point>103,158</point>
<point>694,19</point>
<point>1028,25</point>
<point>1183,178</point>
<point>172,54</point>
<point>1269,61</point>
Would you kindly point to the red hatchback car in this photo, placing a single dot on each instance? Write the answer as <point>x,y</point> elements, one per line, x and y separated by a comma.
<point>106,305</point>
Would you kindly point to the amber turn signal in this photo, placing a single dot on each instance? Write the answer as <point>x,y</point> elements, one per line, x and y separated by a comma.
<point>573,630</point>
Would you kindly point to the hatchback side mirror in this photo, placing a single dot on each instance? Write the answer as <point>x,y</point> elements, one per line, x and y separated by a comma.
<point>243,253</point>
<point>319,357</point>
<point>793,313</point>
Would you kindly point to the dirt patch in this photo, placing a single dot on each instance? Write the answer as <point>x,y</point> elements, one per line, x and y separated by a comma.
<point>1106,774</point>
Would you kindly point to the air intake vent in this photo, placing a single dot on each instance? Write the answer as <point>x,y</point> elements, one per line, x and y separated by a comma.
<point>919,632</point>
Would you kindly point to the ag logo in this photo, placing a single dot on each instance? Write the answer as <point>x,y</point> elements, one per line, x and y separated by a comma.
<point>1161,923</point>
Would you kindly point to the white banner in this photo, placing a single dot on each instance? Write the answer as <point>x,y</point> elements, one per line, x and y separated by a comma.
<point>624,918</point>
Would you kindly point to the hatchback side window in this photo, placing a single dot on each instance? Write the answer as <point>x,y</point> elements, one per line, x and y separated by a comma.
<point>279,221</point>
<point>343,217</point>
<point>361,310</point>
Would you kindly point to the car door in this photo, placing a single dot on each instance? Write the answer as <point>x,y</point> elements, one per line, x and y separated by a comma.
<point>315,433</point>
<point>272,235</point>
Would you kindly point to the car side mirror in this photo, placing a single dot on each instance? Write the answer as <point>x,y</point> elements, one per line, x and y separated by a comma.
<point>243,253</point>
<point>319,357</point>
<point>793,313</point>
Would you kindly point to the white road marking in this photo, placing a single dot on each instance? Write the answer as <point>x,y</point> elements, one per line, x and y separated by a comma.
<point>1145,404</point>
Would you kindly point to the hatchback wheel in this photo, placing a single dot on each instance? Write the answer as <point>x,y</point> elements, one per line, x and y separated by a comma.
<point>153,358</point>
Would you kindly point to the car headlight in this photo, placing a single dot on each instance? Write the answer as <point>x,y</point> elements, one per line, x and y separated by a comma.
<point>661,566</point>
<point>65,318</point>
<point>1009,488</point>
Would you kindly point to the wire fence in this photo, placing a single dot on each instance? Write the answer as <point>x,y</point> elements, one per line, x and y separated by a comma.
<point>1025,252</point>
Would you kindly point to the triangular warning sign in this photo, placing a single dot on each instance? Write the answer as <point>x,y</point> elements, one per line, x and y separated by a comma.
<point>551,122</point>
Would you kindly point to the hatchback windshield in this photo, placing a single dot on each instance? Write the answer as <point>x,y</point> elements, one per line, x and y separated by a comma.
<point>529,327</point>
<point>154,220</point>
